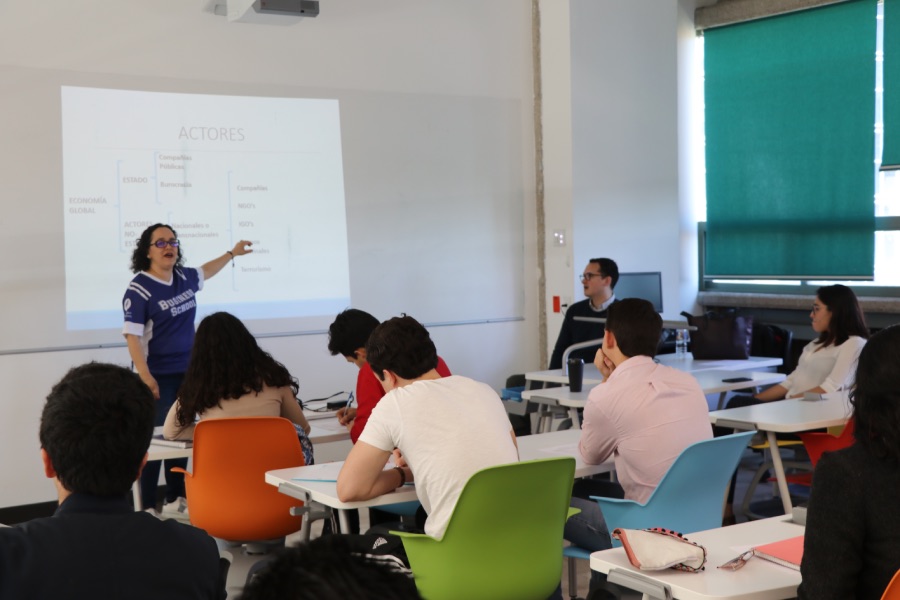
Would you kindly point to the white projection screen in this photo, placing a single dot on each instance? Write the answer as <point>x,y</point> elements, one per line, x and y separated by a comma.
<point>218,170</point>
<point>388,202</point>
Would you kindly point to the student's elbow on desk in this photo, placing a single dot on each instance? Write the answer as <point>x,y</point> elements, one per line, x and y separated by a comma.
<point>348,490</point>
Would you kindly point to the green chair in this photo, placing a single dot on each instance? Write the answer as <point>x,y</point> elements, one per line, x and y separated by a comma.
<point>504,538</point>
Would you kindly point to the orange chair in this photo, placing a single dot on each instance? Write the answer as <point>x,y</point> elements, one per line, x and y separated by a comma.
<point>227,494</point>
<point>892,591</point>
<point>816,444</point>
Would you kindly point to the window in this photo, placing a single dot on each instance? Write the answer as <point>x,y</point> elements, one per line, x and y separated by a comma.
<point>853,31</point>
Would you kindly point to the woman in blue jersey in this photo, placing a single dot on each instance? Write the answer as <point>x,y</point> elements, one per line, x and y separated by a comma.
<point>160,307</point>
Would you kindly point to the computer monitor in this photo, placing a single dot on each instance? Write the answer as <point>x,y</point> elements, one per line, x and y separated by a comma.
<point>641,285</point>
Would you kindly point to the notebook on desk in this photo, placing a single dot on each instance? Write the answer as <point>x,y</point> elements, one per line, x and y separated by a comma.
<point>312,415</point>
<point>787,553</point>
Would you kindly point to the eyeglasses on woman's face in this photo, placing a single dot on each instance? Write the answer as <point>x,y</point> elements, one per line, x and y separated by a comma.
<point>164,243</point>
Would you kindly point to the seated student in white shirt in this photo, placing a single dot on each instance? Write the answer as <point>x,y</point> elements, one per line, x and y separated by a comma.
<point>428,422</point>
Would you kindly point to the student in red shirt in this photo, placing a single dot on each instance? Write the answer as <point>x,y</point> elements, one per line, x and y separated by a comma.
<point>347,336</point>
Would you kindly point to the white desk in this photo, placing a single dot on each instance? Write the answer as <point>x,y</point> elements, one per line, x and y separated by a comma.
<point>690,365</point>
<point>560,443</point>
<point>785,416</point>
<point>322,431</point>
<point>592,376</point>
<point>711,382</point>
<point>758,580</point>
<point>319,482</point>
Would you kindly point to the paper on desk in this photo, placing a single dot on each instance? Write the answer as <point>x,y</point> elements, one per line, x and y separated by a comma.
<point>330,425</point>
<point>328,471</point>
<point>321,472</point>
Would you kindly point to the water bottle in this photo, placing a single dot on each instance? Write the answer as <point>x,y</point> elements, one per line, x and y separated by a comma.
<point>681,340</point>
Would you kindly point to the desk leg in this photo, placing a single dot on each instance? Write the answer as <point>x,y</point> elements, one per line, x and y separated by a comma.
<point>779,472</point>
<point>342,519</point>
<point>136,494</point>
<point>721,403</point>
<point>573,414</point>
<point>545,422</point>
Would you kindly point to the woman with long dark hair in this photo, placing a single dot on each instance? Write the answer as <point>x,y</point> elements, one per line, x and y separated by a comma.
<point>828,362</point>
<point>852,542</point>
<point>229,375</point>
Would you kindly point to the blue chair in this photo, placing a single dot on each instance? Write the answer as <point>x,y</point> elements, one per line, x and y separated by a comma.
<point>690,497</point>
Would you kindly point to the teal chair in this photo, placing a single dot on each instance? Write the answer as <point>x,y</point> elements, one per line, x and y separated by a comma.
<point>690,497</point>
<point>504,538</point>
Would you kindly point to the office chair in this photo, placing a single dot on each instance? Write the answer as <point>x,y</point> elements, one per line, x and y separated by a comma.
<point>504,538</point>
<point>815,443</point>
<point>774,341</point>
<point>892,591</point>
<point>227,494</point>
<point>689,497</point>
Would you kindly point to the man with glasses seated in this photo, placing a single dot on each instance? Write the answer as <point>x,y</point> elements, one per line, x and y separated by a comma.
<point>598,279</point>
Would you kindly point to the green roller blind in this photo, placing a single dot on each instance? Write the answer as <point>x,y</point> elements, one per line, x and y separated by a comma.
<point>891,108</point>
<point>790,113</point>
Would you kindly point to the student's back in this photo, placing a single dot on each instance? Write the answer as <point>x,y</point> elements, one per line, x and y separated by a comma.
<point>100,548</point>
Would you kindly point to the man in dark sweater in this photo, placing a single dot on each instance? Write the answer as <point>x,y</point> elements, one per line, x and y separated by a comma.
<point>599,278</point>
<point>95,430</point>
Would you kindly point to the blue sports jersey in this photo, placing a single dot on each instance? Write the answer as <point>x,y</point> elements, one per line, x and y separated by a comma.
<point>162,314</point>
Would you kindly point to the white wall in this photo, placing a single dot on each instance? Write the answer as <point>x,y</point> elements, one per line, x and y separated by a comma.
<point>466,48</point>
<point>618,108</point>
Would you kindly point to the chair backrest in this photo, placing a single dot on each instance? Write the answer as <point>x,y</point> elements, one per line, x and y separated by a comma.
<point>892,592</point>
<point>774,341</point>
<point>504,538</point>
<point>691,495</point>
<point>226,493</point>
<point>817,443</point>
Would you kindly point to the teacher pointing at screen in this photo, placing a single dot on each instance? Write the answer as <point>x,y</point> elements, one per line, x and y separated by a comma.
<point>160,307</point>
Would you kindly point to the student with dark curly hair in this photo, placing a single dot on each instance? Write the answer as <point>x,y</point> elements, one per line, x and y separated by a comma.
<point>229,375</point>
<point>851,547</point>
<point>330,568</point>
<point>160,307</point>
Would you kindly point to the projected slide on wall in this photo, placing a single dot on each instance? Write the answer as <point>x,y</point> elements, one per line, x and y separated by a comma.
<point>218,169</point>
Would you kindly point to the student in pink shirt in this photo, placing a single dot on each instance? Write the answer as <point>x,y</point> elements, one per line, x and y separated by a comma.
<point>642,415</point>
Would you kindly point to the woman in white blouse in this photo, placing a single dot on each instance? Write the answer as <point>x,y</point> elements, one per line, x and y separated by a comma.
<point>827,363</point>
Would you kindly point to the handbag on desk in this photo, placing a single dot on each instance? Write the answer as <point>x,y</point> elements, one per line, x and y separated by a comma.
<point>656,548</point>
<point>720,336</point>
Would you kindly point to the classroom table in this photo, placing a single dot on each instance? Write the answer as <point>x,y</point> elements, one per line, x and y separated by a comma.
<point>711,382</point>
<point>687,363</point>
<point>323,430</point>
<point>318,483</point>
<point>785,416</point>
<point>759,579</point>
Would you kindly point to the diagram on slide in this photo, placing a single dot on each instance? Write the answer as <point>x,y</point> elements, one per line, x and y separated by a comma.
<point>217,169</point>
